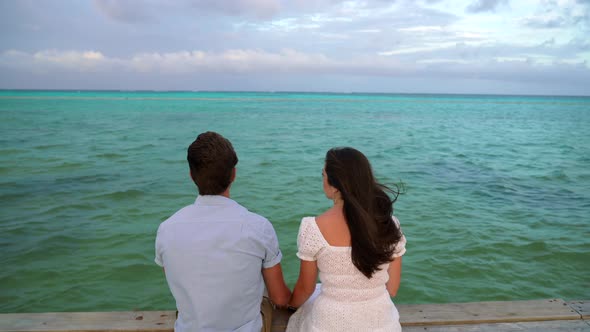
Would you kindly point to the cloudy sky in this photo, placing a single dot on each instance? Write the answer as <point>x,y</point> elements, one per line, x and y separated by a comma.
<point>428,46</point>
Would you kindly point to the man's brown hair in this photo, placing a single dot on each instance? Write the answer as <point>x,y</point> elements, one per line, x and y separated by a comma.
<point>211,159</point>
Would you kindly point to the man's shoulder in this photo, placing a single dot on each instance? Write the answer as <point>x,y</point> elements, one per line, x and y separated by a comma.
<point>176,217</point>
<point>253,217</point>
<point>256,222</point>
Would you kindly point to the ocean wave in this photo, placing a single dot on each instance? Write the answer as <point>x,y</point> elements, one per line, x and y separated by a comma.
<point>68,166</point>
<point>60,209</point>
<point>86,179</point>
<point>121,195</point>
<point>9,151</point>
<point>110,156</point>
<point>558,175</point>
<point>49,146</point>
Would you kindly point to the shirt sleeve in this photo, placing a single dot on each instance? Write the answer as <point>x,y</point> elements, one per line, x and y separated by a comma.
<point>272,252</point>
<point>308,241</point>
<point>400,247</point>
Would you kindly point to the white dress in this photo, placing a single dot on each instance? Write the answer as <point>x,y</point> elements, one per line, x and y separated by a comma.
<point>346,300</point>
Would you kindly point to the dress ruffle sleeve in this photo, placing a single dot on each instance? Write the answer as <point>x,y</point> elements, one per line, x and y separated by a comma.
<point>400,248</point>
<point>309,240</point>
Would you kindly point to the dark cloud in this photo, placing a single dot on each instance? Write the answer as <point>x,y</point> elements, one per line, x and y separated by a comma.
<point>137,11</point>
<point>479,6</point>
<point>128,11</point>
<point>261,9</point>
<point>133,11</point>
<point>579,45</point>
<point>545,22</point>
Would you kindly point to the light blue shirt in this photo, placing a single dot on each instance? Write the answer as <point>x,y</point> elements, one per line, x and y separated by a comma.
<point>213,252</point>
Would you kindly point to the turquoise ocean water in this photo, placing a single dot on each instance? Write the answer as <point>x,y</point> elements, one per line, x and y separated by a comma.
<point>497,202</point>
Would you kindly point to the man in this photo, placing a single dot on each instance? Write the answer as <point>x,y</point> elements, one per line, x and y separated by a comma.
<point>218,256</point>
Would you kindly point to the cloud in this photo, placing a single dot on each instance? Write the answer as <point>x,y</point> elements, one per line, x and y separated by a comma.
<point>256,62</point>
<point>47,60</point>
<point>234,61</point>
<point>579,45</point>
<point>560,13</point>
<point>262,9</point>
<point>128,11</point>
<point>142,11</point>
<point>546,21</point>
<point>546,52</point>
<point>137,11</point>
<point>479,6</point>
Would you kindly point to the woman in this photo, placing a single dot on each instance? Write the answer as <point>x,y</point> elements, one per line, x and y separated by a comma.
<point>356,246</point>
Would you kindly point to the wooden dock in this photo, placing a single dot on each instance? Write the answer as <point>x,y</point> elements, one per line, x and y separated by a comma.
<point>536,315</point>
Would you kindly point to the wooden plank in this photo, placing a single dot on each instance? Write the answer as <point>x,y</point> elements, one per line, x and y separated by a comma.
<point>138,321</point>
<point>424,315</point>
<point>546,326</point>
<point>485,312</point>
<point>469,313</point>
<point>582,307</point>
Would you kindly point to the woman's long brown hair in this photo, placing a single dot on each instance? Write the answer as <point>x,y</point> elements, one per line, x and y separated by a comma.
<point>368,208</point>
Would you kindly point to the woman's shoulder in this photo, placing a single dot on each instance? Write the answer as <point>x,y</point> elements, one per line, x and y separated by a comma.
<point>307,222</point>
<point>308,225</point>
<point>322,220</point>
<point>328,215</point>
<point>308,219</point>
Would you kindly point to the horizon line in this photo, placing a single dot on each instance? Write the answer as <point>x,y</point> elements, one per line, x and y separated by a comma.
<point>298,92</point>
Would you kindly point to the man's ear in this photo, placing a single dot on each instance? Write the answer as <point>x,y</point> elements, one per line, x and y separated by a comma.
<point>190,173</point>
<point>233,174</point>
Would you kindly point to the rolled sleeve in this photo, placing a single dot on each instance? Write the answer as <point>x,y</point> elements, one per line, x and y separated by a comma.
<point>158,261</point>
<point>159,250</point>
<point>273,261</point>
<point>272,252</point>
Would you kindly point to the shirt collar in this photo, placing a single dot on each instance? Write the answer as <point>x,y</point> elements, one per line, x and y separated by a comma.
<point>214,200</point>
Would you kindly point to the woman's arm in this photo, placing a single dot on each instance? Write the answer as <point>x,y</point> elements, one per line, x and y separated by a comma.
<point>395,275</point>
<point>305,286</point>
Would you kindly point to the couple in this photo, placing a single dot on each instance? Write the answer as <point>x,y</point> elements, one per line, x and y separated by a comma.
<point>218,257</point>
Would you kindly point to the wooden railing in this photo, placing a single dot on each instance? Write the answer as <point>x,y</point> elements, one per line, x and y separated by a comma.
<point>535,315</point>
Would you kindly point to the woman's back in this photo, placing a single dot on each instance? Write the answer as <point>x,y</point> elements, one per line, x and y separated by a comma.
<point>348,300</point>
<point>332,224</point>
<point>340,278</point>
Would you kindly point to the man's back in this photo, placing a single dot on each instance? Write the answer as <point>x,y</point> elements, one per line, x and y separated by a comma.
<point>213,252</point>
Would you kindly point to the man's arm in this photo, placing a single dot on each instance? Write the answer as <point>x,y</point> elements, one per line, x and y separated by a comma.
<point>278,292</point>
